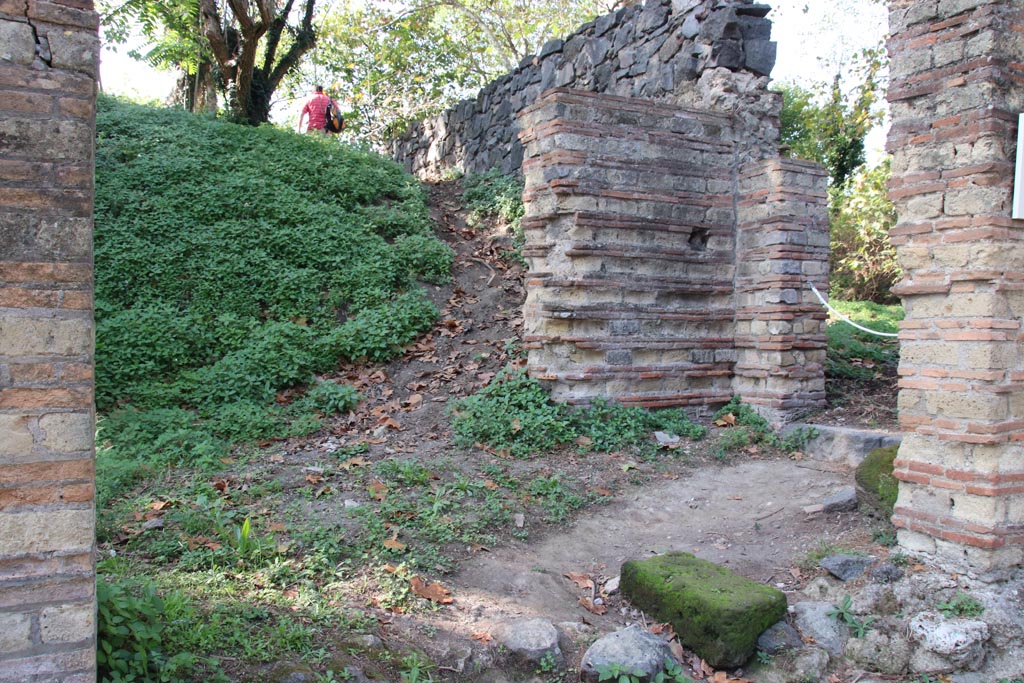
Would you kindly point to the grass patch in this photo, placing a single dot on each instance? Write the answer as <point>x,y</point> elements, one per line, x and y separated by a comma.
<point>854,354</point>
<point>514,415</point>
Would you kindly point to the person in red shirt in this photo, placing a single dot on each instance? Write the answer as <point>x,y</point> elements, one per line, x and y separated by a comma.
<point>315,109</point>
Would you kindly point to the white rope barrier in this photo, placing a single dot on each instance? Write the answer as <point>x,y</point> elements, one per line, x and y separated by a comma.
<point>844,318</point>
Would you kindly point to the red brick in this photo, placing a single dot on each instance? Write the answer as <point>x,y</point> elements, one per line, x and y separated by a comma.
<point>45,272</point>
<point>28,373</point>
<point>25,171</point>
<point>74,107</point>
<point>76,372</point>
<point>22,297</point>
<point>55,471</point>
<point>45,398</point>
<point>76,299</point>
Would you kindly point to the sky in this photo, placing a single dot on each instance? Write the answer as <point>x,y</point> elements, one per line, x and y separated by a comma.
<point>813,36</point>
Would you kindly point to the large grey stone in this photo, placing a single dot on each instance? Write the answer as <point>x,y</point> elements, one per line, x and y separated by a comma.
<point>632,649</point>
<point>887,653</point>
<point>529,640</point>
<point>845,567</point>
<point>945,645</point>
<point>812,619</point>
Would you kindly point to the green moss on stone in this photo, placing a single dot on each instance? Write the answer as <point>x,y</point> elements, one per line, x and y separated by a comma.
<point>716,613</point>
<point>874,476</point>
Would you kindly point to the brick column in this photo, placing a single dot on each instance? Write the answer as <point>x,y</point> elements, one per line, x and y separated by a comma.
<point>629,234</point>
<point>955,94</point>
<point>48,60</point>
<point>781,248</point>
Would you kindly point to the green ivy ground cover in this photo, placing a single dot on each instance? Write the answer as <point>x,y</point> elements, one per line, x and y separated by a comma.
<point>233,262</point>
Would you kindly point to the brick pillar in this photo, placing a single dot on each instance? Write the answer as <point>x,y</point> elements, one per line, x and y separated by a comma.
<point>629,234</point>
<point>955,94</point>
<point>48,60</point>
<point>781,247</point>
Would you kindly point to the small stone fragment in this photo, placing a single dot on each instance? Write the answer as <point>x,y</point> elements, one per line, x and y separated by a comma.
<point>886,572</point>
<point>529,640</point>
<point>778,638</point>
<point>843,500</point>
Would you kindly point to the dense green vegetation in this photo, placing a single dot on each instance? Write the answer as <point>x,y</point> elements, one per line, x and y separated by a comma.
<point>854,354</point>
<point>515,414</point>
<point>232,263</point>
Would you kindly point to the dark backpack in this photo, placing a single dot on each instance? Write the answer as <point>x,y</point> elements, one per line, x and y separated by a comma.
<point>334,121</point>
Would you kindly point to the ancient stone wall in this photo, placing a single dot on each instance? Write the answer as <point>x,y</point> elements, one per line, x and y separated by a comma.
<point>48,61</point>
<point>662,273</point>
<point>957,87</point>
<point>711,54</point>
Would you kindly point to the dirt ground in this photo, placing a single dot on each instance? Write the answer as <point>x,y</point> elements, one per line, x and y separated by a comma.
<point>747,515</point>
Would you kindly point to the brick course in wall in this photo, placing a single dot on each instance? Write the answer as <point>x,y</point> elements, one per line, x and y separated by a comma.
<point>48,63</point>
<point>661,272</point>
<point>957,87</point>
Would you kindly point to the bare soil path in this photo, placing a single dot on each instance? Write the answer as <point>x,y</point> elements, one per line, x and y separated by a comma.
<point>748,517</point>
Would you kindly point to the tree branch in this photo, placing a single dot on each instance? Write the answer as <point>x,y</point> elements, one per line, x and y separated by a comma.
<point>274,36</point>
<point>215,35</point>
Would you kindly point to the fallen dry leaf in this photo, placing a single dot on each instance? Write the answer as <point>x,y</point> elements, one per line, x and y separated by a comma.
<point>357,461</point>
<point>727,420</point>
<point>393,543</point>
<point>390,423</point>
<point>588,604</point>
<point>434,592</point>
<point>583,581</point>
<point>277,527</point>
<point>601,491</point>
<point>490,485</point>
<point>314,479</point>
<point>377,489</point>
<point>482,637</point>
<point>159,504</point>
<point>276,458</point>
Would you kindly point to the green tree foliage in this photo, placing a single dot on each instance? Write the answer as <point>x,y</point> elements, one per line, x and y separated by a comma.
<point>828,123</point>
<point>395,63</point>
<point>248,48</point>
<point>863,260</point>
<point>387,68</point>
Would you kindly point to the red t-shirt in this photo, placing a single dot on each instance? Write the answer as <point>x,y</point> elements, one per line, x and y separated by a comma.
<point>316,109</point>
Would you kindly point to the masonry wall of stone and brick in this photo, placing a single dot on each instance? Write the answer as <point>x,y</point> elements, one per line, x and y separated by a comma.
<point>957,87</point>
<point>48,66</point>
<point>712,54</point>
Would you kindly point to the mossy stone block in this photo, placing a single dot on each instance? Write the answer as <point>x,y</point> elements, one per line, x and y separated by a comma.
<point>874,476</point>
<point>716,613</point>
